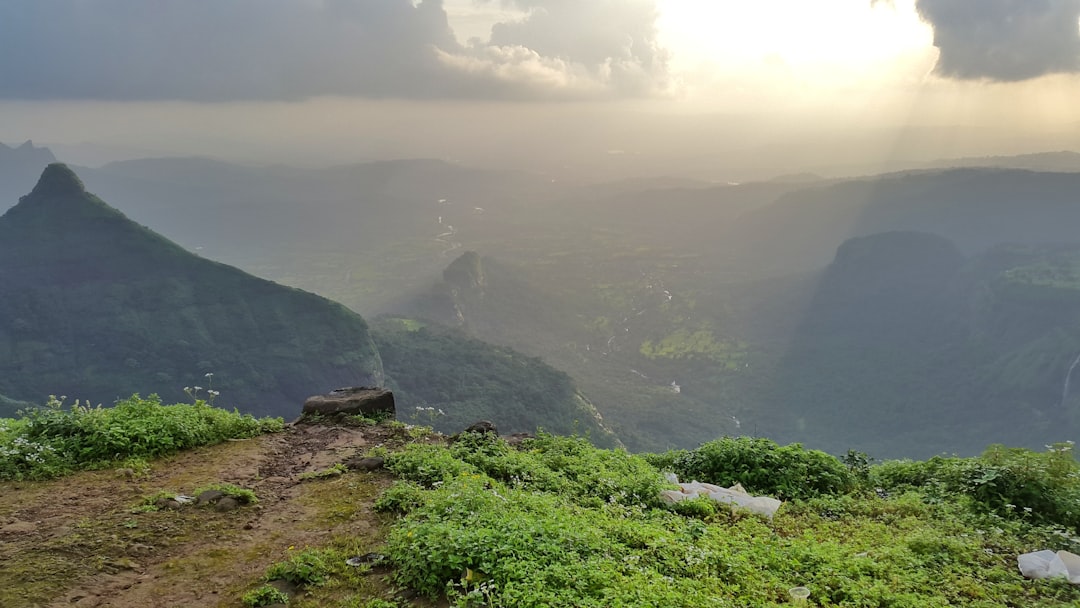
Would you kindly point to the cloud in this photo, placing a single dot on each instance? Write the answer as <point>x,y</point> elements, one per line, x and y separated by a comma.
<point>1004,40</point>
<point>232,50</point>
<point>614,41</point>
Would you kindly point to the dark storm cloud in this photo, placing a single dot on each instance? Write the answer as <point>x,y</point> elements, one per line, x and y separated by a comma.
<point>1004,40</point>
<point>224,50</point>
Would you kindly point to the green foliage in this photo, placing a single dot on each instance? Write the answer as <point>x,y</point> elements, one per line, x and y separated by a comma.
<point>402,497</point>
<point>1011,482</point>
<point>427,464</point>
<point>310,568</point>
<point>761,466</point>
<point>53,440</point>
<point>700,507</point>
<point>443,378</point>
<point>264,596</point>
<point>549,463</point>
<point>509,528</point>
<point>334,470</point>
<point>683,344</point>
<point>242,495</point>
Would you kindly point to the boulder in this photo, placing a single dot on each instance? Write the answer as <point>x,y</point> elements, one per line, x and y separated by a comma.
<point>357,463</point>
<point>353,401</point>
<point>515,440</point>
<point>482,427</point>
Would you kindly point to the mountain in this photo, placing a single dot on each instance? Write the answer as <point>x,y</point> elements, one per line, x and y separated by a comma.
<point>909,348</point>
<point>95,306</point>
<point>564,324</point>
<point>359,234</point>
<point>1064,161</point>
<point>975,208</point>
<point>443,378</point>
<point>18,166</point>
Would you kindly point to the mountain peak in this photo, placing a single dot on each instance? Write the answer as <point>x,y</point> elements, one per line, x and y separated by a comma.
<point>58,180</point>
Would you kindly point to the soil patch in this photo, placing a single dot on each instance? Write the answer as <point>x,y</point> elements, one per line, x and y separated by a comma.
<point>90,540</point>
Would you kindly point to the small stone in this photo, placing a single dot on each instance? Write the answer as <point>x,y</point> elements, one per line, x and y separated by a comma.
<point>166,503</point>
<point>364,464</point>
<point>210,496</point>
<point>140,549</point>
<point>227,503</point>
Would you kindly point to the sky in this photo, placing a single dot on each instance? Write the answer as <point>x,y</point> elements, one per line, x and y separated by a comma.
<point>602,89</point>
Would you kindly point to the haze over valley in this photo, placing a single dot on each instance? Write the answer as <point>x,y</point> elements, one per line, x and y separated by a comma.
<point>656,223</point>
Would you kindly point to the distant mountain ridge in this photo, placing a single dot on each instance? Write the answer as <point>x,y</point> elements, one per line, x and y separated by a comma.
<point>976,208</point>
<point>19,166</point>
<point>94,306</point>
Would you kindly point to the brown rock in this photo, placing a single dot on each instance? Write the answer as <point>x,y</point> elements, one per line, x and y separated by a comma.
<point>227,503</point>
<point>210,496</point>
<point>483,426</point>
<point>364,464</point>
<point>516,439</point>
<point>352,401</point>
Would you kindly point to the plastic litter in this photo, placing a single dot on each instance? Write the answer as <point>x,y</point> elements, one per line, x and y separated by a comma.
<point>799,595</point>
<point>735,496</point>
<point>1048,564</point>
<point>182,499</point>
<point>375,559</point>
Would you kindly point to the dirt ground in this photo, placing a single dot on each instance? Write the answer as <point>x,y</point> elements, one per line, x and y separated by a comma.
<point>83,541</point>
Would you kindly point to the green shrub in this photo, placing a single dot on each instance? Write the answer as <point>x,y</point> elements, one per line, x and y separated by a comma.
<point>264,596</point>
<point>560,523</point>
<point>402,497</point>
<point>427,464</point>
<point>762,467</point>
<point>51,441</point>
<point>310,567</point>
<point>1011,482</point>
<point>701,507</point>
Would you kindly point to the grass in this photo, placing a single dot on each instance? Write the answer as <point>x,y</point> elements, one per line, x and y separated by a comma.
<point>565,524</point>
<point>559,522</point>
<point>55,440</point>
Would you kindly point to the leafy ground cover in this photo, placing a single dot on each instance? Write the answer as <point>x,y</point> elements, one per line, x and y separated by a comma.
<point>561,523</point>
<point>553,521</point>
<point>52,441</point>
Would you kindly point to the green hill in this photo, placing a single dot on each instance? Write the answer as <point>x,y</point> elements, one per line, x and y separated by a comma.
<point>909,348</point>
<point>575,330</point>
<point>94,306</point>
<point>443,378</point>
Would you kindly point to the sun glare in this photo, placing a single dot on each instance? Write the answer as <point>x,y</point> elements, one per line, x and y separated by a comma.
<point>732,34</point>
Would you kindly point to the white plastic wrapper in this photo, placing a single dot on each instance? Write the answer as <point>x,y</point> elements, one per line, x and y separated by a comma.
<point>735,496</point>
<point>1048,564</point>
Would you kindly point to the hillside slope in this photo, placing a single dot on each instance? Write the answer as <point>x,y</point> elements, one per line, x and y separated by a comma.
<point>94,306</point>
<point>909,348</point>
<point>443,378</point>
<point>354,514</point>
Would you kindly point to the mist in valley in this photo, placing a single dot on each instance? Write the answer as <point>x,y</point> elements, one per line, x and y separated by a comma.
<point>706,222</point>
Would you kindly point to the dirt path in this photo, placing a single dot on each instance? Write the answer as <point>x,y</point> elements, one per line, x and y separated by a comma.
<point>82,541</point>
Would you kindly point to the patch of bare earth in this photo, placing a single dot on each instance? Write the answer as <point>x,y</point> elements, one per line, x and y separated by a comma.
<point>83,541</point>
